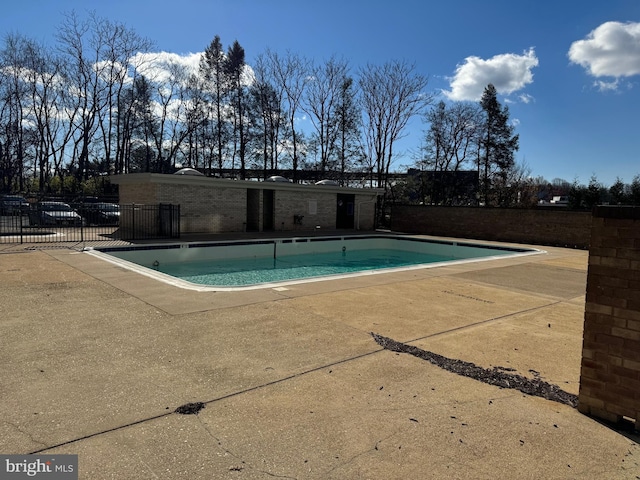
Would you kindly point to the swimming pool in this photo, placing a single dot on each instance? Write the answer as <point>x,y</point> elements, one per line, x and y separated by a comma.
<point>251,264</point>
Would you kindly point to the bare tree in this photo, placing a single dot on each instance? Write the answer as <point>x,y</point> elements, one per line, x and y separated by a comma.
<point>45,95</point>
<point>171,92</point>
<point>120,45</point>
<point>269,93</point>
<point>82,43</point>
<point>519,188</point>
<point>14,107</point>
<point>321,102</point>
<point>198,143</point>
<point>453,135</point>
<point>451,142</point>
<point>267,101</point>
<point>391,95</point>
<point>291,74</point>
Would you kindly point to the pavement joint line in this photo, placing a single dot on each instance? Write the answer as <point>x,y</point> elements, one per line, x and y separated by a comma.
<point>489,320</point>
<point>214,400</point>
<point>280,380</point>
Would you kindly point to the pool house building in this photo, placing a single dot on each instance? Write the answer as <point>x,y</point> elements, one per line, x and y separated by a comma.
<point>217,205</point>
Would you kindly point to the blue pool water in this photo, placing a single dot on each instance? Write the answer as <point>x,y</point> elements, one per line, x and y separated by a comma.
<point>260,263</point>
<point>249,271</point>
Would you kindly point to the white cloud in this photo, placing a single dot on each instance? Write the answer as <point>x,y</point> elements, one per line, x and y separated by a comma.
<point>525,98</point>
<point>611,50</point>
<point>507,72</point>
<point>163,66</point>
<point>604,86</point>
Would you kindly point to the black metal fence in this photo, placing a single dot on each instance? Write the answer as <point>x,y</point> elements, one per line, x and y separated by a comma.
<point>55,222</point>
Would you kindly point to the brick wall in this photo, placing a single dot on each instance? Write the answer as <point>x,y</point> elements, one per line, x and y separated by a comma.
<point>557,227</point>
<point>142,193</point>
<point>317,208</point>
<point>610,370</point>
<point>209,205</point>
<point>207,210</point>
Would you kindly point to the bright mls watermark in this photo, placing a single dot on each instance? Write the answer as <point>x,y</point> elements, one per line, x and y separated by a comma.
<point>50,467</point>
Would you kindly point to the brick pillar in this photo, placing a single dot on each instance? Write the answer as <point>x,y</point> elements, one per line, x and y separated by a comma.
<point>610,369</point>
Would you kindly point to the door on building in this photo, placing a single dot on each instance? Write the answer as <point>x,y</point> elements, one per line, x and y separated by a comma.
<point>267,209</point>
<point>344,212</point>
<point>253,210</point>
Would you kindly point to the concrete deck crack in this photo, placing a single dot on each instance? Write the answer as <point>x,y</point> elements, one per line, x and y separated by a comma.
<point>26,434</point>
<point>244,463</point>
<point>358,455</point>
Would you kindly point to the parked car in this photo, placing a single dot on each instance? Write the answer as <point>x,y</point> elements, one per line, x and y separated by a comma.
<point>100,213</point>
<point>13,204</point>
<point>55,213</point>
<point>86,199</point>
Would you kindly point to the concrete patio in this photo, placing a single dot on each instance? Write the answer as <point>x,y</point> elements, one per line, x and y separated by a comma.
<point>95,360</point>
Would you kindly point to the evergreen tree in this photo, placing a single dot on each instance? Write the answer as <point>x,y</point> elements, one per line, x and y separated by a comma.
<point>212,68</point>
<point>348,145</point>
<point>594,193</point>
<point>234,67</point>
<point>617,192</point>
<point>498,145</point>
<point>144,129</point>
<point>634,191</point>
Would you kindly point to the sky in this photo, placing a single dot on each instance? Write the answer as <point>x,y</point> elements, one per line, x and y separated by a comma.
<point>569,70</point>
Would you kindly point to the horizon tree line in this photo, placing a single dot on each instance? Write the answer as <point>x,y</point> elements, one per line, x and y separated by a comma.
<point>96,105</point>
<point>93,105</point>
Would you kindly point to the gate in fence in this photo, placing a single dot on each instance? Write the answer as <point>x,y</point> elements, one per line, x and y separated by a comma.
<point>54,222</point>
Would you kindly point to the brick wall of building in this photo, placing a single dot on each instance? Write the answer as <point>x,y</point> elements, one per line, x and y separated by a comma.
<point>610,370</point>
<point>130,226</point>
<point>207,210</point>
<point>210,205</point>
<point>557,227</point>
<point>317,208</point>
<point>143,193</point>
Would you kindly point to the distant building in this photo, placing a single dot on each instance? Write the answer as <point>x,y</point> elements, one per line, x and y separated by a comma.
<point>560,200</point>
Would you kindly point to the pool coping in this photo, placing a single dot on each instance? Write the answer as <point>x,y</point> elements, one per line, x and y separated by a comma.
<point>178,301</point>
<point>103,254</point>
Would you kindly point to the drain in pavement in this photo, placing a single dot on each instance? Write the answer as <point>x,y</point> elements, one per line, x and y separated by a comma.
<point>190,408</point>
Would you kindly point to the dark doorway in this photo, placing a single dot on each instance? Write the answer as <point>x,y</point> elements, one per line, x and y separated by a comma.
<point>267,209</point>
<point>253,210</point>
<point>344,212</point>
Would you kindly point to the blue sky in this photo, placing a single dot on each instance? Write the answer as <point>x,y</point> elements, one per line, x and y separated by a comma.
<point>569,70</point>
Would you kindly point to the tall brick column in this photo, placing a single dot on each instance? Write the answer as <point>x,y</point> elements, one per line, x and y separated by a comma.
<point>610,373</point>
